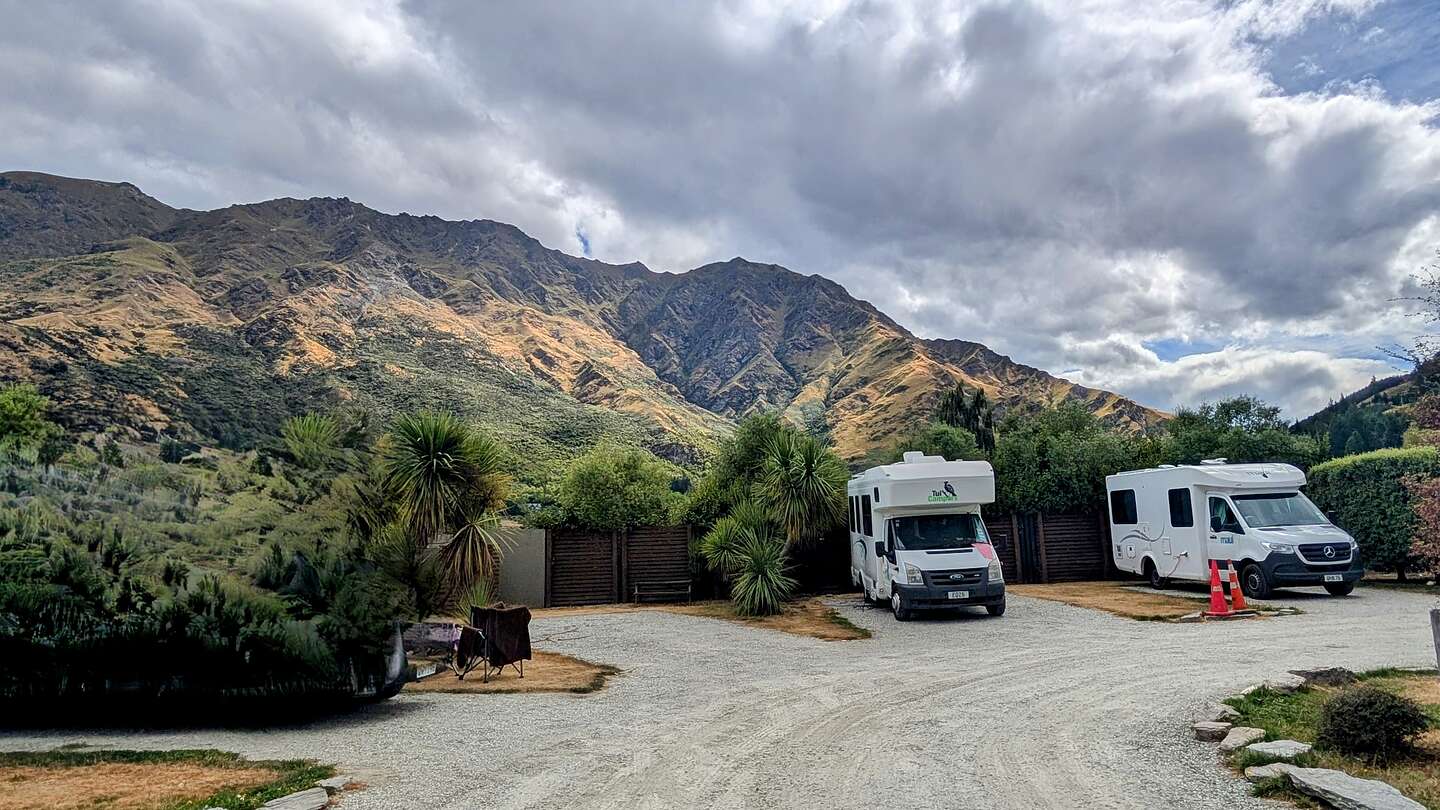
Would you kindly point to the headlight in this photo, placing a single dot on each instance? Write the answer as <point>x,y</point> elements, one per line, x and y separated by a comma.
<point>997,574</point>
<point>1280,548</point>
<point>913,575</point>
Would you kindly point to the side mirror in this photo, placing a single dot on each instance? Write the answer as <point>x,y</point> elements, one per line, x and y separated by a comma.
<point>1215,524</point>
<point>879,548</point>
<point>1330,516</point>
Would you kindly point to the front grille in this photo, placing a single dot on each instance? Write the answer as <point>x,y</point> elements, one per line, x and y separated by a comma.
<point>958,578</point>
<point>1314,553</point>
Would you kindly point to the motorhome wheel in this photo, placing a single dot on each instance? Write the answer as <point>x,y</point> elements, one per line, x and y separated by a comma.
<point>996,609</point>
<point>901,614</point>
<point>1153,574</point>
<point>1339,588</point>
<point>1254,583</point>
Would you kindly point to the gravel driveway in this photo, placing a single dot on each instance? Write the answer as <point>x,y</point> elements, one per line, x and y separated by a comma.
<point>1049,706</point>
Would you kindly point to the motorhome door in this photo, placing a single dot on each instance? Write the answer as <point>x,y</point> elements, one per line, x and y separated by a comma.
<point>1222,530</point>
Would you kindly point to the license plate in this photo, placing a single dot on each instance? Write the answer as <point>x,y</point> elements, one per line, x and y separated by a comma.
<point>1334,578</point>
<point>959,594</point>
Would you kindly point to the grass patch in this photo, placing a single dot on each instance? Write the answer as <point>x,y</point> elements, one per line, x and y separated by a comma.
<point>802,617</point>
<point>66,779</point>
<point>1115,598</point>
<point>546,672</point>
<point>1297,717</point>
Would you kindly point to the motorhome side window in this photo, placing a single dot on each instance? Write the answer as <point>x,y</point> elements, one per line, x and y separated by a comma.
<point>1182,515</point>
<point>1222,518</point>
<point>865,518</point>
<point>850,519</point>
<point>1122,507</point>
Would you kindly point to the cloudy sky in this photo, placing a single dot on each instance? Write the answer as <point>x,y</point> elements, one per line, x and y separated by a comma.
<point>1174,199</point>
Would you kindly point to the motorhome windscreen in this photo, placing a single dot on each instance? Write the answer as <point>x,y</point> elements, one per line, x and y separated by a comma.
<point>935,532</point>
<point>1278,509</point>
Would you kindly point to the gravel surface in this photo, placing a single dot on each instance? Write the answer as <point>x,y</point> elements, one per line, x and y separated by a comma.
<point>1049,706</point>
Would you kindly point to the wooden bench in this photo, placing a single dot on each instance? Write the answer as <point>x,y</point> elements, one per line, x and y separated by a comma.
<point>663,589</point>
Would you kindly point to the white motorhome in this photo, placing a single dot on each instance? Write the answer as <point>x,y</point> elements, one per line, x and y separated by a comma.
<point>1171,521</point>
<point>916,537</point>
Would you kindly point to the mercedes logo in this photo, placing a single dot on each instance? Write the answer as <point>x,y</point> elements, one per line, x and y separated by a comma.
<point>1329,551</point>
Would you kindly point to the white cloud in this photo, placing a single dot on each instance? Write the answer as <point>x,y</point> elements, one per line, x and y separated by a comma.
<point>1047,177</point>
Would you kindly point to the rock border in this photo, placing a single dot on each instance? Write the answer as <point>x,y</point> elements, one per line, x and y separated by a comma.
<point>1336,788</point>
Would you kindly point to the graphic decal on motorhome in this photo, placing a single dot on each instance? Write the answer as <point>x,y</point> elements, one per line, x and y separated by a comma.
<point>945,494</point>
<point>1135,534</point>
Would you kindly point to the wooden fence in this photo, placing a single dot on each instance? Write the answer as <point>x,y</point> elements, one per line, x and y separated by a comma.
<point>1051,548</point>
<point>591,568</point>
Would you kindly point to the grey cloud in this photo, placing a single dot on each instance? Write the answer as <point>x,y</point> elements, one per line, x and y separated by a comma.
<point>1042,180</point>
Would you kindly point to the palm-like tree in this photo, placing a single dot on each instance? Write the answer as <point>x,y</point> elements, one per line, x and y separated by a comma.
<point>444,480</point>
<point>802,483</point>
<point>437,470</point>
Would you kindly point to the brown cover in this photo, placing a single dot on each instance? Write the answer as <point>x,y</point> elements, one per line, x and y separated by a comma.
<point>508,631</point>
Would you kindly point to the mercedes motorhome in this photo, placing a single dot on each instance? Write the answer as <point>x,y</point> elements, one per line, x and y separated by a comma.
<point>1171,521</point>
<point>916,537</point>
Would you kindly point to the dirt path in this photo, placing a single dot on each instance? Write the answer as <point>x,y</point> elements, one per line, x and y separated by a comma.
<point>1050,706</point>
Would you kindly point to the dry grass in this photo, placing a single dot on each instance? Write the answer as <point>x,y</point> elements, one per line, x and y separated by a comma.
<point>547,672</point>
<point>803,617</point>
<point>1112,597</point>
<point>150,780</point>
<point>121,786</point>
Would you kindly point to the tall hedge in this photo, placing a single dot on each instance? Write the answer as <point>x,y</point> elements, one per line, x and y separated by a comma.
<point>1366,493</point>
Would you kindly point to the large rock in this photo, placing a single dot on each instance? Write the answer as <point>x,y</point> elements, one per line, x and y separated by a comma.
<point>1346,792</point>
<point>312,799</point>
<point>1241,736</point>
<point>1285,684</point>
<point>1210,730</point>
<point>1259,773</point>
<point>1280,749</point>
<point>335,784</point>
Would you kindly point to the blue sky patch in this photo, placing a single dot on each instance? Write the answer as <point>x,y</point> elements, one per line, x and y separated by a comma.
<point>1394,44</point>
<point>1172,349</point>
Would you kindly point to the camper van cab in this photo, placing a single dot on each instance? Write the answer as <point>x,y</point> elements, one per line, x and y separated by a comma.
<point>1170,522</point>
<point>916,537</point>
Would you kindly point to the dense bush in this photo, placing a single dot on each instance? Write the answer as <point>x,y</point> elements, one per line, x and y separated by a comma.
<point>612,488</point>
<point>933,439</point>
<point>1368,497</point>
<point>1240,429</point>
<point>1056,461</point>
<point>1369,722</point>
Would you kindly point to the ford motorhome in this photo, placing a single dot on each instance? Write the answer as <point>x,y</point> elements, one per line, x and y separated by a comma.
<point>916,537</point>
<point>1170,522</point>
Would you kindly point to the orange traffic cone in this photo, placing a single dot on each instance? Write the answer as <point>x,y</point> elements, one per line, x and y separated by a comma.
<point>1217,594</point>
<point>1237,595</point>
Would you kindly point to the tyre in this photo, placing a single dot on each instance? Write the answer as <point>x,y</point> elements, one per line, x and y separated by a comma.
<point>997,609</point>
<point>1339,588</point>
<point>1253,582</point>
<point>902,614</point>
<point>1153,574</point>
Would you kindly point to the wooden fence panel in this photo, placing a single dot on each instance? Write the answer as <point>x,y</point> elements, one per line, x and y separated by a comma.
<point>656,554</point>
<point>1002,535</point>
<point>1073,548</point>
<point>582,567</point>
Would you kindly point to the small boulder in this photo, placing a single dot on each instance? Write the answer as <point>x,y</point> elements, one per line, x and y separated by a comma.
<point>312,799</point>
<point>1259,773</point>
<point>1280,749</point>
<point>1210,730</point>
<point>1221,713</point>
<point>1286,684</point>
<point>1239,737</point>
<point>1346,792</point>
<point>335,784</point>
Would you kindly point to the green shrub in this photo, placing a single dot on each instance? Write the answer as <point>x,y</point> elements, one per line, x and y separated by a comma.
<point>1369,722</point>
<point>611,488</point>
<point>1366,494</point>
<point>761,585</point>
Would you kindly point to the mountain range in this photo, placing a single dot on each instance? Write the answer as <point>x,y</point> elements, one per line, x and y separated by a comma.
<point>215,325</point>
